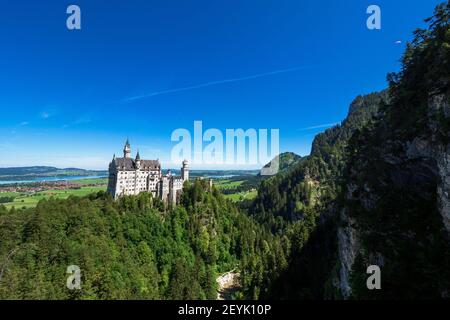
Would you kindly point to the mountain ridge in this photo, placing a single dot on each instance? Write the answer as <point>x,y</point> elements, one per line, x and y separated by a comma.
<point>374,190</point>
<point>23,173</point>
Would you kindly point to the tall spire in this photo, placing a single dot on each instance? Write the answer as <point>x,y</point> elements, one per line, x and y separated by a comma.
<point>127,149</point>
<point>138,160</point>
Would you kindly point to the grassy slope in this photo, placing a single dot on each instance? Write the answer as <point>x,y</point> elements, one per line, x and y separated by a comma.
<point>29,201</point>
<point>227,184</point>
<point>95,185</point>
<point>247,195</point>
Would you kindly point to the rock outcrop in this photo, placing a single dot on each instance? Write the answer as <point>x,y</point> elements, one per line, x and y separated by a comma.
<point>439,114</point>
<point>348,247</point>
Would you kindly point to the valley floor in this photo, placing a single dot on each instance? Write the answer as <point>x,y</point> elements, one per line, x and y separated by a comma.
<point>28,195</point>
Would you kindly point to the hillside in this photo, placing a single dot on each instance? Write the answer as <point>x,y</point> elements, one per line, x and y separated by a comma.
<point>286,161</point>
<point>135,248</point>
<point>374,189</point>
<point>396,206</point>
<point>284,196</point>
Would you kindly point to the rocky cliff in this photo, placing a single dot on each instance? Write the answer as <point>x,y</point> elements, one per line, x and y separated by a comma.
<point>382,188</point>
<point>396,208</point>
<point>396,181</point>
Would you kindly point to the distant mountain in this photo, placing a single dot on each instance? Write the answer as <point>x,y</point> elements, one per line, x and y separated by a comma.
<point>26,170</point>
<point>23,173</point>
<point>287,160</point>
<point>220,173</point>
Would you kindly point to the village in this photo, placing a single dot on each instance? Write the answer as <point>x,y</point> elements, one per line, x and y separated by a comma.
<point>35,187</point>
<point>26,195</point>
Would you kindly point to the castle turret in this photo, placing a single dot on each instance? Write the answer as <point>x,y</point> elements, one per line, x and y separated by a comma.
<point>127,150</point>
<point>112,178</point>
<point>137,161</point>
<point>185,171</point>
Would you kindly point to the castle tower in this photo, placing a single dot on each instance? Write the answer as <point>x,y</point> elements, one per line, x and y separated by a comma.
<point>138,160</point>
<point>112,178</point>
<point>127,150</point>
<point>185,171</point>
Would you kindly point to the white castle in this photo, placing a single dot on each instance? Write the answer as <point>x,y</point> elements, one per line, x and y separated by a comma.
<point>129,176</point>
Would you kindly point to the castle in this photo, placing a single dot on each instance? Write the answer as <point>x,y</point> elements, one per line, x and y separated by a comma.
<point>129,176</point>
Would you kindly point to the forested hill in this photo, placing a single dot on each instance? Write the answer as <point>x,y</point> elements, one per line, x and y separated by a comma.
<point>375,189</point>
<point>135,248</point>
<point>285,161</point>
<point>287,194</point>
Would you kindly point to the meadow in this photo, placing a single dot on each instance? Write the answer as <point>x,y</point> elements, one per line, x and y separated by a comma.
<point>233,189</point>
<point>230,188</point>
<point>30,200</point>
<point>244,195</point>
<point>223,184</point>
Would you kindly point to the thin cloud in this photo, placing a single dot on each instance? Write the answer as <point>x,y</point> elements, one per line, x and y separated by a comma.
<point>24,123</point>
<point>83,120</point>
<point>211,83</point>
<point>45,115</point>
<point>319,126</point>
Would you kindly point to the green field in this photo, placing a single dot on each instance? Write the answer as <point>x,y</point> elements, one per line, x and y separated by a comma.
<point>94,185</point>
<point>227,184</point>
<point>31,200</point>
<point>246,195</point>
<point>8,194</point>
<point>96,181</point>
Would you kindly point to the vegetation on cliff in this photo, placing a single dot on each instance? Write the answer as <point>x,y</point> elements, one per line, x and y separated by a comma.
<point>377,167</point>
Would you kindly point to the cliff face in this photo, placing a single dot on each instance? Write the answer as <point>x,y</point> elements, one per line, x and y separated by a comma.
<point>383,193</point>
<point>348,247</point>
<point>396,181</point>
<point>444,185</point>
<point>438,113</point>
<point>396,208</point>
<point>382,188</point>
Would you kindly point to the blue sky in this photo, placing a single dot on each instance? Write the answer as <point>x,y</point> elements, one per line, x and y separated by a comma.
<point>141,69</point>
